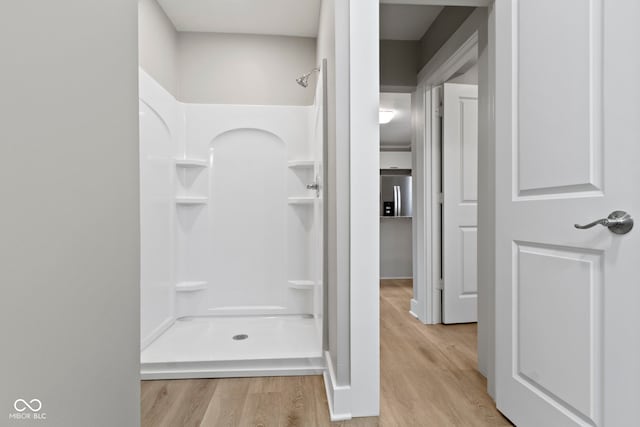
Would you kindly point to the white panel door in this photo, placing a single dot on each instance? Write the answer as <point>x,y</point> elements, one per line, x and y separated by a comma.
<point>568,148</point>
<point>460,211</point>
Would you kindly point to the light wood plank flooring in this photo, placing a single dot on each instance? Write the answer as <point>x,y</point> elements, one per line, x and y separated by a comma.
<point>428,378</point>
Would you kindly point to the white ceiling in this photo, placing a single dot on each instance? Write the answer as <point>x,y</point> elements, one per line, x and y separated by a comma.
<point>396,133</point>
<point>406,22</point>
<point>274,17</point>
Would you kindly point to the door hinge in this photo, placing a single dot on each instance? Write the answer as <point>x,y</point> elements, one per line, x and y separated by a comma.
<point>440,284</point>
<point>441,198</point>
<point>441,110</point>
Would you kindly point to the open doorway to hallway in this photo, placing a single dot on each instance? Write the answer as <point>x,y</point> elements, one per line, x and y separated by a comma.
<point>429,127</point>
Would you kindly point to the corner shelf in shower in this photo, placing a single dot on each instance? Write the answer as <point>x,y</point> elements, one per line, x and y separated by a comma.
<point>190,286</point>
<point>302,284</point>
<point>301,200</point>
<point>191,163</point>
<point>191,200</point>
<point>299,164</point>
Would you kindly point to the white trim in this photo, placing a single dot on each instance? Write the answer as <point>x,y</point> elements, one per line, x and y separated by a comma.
<point>437,70</point>
<point>338,397</point>
<point>232,368</point>
<point>415,309</point>
<point>397,278</point>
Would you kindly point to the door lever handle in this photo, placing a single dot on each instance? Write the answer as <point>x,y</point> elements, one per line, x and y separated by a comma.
<point>619,222</point>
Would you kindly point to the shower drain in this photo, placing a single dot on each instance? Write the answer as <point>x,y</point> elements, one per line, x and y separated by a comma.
<point>240,337</point>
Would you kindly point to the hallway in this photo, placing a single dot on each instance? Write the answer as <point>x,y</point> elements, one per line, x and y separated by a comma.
<point>428,378</point>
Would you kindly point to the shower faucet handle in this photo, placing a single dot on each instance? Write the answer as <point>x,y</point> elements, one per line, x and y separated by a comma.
<point>315,186</point>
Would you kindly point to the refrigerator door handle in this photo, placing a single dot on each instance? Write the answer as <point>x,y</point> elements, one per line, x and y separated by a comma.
<point>395,200</point>
<point>399,208</point>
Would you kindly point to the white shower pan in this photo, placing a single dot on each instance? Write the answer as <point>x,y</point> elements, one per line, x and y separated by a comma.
<point>204,347</point>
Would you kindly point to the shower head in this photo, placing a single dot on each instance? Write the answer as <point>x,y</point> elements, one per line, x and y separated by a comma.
<point>303,80</point>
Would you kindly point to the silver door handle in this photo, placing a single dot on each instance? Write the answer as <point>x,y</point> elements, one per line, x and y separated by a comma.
<point>619,222</point>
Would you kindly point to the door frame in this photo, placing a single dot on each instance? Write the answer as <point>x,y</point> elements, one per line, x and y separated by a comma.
<point>357,166</point>
<point>426,304</point>
<point>483,24</point>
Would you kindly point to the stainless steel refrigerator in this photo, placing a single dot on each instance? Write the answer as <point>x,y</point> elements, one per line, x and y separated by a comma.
<point>395,193</point>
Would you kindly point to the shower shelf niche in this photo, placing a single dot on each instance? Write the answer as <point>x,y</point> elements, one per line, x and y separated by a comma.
<point>301,200</point>
<point>191,200</point>
<point>191,286</point>
<point>191,163</point>
<point>300,164</point>
<point>302,284</point>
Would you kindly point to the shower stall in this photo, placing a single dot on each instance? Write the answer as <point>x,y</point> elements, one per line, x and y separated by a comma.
<point>232,254</point>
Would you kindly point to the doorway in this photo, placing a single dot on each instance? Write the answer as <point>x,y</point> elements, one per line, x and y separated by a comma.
<point>444,130</point>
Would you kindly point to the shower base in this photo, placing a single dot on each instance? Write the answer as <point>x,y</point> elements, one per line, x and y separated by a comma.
<point>216,347</point>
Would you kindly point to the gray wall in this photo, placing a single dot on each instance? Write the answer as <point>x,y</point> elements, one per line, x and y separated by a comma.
<point>439,32</point>
<point>244,69</point>
<point>158,45</point>
<point>224,68</point>
<point>69,246</point>
<point>399,62</point>
<point>396,252</point>
<point>469,77</point>
<point>486,203</point>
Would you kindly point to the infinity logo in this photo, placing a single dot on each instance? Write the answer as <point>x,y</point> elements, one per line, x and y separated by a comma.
<point>21,405</point>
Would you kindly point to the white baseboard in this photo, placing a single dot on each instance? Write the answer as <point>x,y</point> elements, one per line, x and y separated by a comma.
<point>397,278</point>
<point>415,309</point>
<point>338,397</point>
<point>232,368</point>
<point>161,329</point>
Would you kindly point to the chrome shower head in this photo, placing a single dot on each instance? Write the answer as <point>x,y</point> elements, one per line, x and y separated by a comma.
<point>304,79</point>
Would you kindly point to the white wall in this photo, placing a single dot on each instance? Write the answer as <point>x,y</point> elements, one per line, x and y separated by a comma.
<point>158,45</point>
<point>244,69</point>
<point>364,170</point>
<point>69,251</point>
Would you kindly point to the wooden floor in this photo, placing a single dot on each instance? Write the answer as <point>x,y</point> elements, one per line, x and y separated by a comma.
<point>428,378</point>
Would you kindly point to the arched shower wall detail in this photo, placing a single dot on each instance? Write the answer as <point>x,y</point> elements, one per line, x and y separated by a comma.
<point>247,222</point>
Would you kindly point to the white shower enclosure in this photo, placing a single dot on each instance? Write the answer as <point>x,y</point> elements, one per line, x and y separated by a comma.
<point>231,237</point>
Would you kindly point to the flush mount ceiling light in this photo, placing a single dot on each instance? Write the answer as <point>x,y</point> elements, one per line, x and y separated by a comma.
<point>386,116</point>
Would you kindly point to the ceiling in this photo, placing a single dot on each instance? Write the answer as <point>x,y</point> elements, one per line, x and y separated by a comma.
<point>273,17</point>
<point>396,133</point>
<point>406,22</point>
